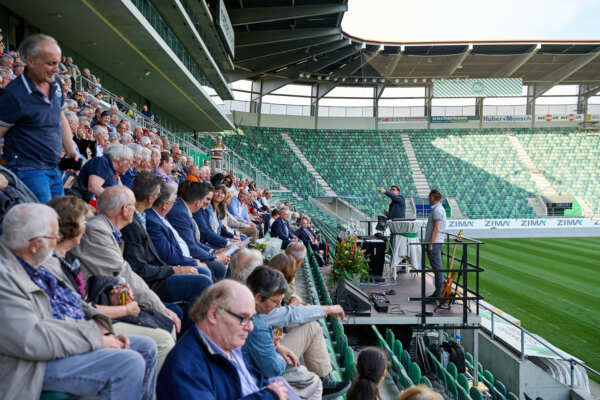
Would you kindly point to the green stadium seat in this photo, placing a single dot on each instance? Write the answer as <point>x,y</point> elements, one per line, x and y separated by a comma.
<point>451,368</point>
<point>463,381</point>
<point>475,394</point>
<point>405,359</point>
<point>425,381</point>
<point>500,387</point>
<point>512,396</point>
<point>414,372</point>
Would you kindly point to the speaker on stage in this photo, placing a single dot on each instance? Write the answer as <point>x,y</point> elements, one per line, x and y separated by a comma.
<point>375,252</point>
<point>353,300</point>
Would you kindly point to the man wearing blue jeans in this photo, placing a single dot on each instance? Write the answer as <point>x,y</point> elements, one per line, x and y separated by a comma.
<point>31,121</point>
<point>435,225</point>
<point>51,339</point>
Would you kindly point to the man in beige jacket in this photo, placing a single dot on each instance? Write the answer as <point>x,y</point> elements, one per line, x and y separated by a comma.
<point>50,339</point>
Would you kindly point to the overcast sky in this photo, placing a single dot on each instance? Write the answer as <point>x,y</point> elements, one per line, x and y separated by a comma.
<point>443,20</point>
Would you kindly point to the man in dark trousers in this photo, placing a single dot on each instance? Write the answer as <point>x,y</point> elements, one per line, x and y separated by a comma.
<point>397,206</point>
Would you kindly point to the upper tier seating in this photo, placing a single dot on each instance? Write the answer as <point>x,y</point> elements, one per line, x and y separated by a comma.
<point>570,161</point>
<point>358,163</point>
<point>266,149</point>
<point>480,169</point>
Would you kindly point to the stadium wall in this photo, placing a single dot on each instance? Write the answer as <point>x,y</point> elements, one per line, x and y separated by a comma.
<point>369,123</point>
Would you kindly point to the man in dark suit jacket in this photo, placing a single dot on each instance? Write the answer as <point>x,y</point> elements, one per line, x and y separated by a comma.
<point>308,236</point>
<point>281,228</point>
<point>171,283</point>
<point>192,197</point>
<point>397,206</point>
<point>207,235</point>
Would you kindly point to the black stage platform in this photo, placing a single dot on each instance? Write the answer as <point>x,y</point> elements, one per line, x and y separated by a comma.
<point>405,312</point>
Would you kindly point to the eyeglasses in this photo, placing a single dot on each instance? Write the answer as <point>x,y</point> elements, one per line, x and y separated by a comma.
<point>244,321</point>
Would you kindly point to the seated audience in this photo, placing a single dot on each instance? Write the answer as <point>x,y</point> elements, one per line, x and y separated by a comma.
<point>262,349</point>
<point>203,219</point>
<point>100,249</point>
<point>243,262</point>
<point>136,160</point>
<point>207,362</point>
<point>173,283</point>
<point>305,340</point>
<point>194,196</point>
<point>72,216</point>
<point>169,244</point>
<point>217,213</point>
<point>309,238</point>
<point>103,172</point>
<point>165,167</point>
<point>193,174</point>
<point>51,339</point>
<point>371,366</point>
<point>286,264</point>
<point>281,228</point>
<point>239,219</point>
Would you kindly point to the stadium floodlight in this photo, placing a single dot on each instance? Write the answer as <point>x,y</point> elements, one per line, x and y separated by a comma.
<point>363,45</point>
<point>355,80</point>
<point>381,48</point>
<point>402,48</point>
<point>538,46</point>
<point>470,46</point>
<point>344,79</point>
<point>396,80</point>
<point>301,75</point>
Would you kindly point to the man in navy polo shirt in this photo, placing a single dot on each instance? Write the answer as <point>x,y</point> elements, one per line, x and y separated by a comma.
<point>31,121</point>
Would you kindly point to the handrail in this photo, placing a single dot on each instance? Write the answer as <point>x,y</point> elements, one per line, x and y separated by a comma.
<point>231,158</point>
<point>524,332</point>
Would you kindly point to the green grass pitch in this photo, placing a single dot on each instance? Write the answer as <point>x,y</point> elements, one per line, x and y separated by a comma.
<point>552,285</point>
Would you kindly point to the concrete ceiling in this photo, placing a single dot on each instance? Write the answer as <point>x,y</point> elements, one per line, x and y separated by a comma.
<point>110,33</point>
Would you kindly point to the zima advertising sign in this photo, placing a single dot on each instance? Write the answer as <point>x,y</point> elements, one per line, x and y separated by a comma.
<point>537,223</point>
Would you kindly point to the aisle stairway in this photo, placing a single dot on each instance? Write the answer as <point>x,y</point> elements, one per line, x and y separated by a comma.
<point>417,175</point>
<point>540,180</point>
<point>328,190</point>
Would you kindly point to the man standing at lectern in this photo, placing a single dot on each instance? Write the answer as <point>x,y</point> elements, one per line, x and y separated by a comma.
<point>436,224</point>
<point>397,206</point>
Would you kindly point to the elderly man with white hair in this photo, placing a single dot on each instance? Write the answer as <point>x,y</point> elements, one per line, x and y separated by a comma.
<point>132,171</point>
<point>102,172</point>
<point>100,250</point>
<point>101,136</point>
<point>243,262</point>
<point>51,339</point>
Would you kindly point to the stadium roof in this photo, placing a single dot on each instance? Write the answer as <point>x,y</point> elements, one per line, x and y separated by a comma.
<point>302,41</point>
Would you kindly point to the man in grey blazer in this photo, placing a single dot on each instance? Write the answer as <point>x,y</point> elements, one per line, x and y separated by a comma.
<point>101,249</point>
<point>51,339</point>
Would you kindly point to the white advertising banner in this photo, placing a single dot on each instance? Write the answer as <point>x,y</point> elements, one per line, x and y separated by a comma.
<point>559,117</point>
<point>538,223</point>
<point>507,118</point>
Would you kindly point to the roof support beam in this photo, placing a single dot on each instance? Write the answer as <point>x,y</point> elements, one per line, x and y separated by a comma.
<point>245,39</point>
<point>512,67</point>
<point>458,62</point>
<point>557,76</point>
<point>254,52</point>
<point>590,90</point>
<point>391,66</point>
<point>323,62</point>
<point>269,63</point>
<point>255,15</point>
<point>355,65</point>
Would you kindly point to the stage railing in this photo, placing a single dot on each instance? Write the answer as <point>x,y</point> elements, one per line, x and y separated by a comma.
<point>466,267</point>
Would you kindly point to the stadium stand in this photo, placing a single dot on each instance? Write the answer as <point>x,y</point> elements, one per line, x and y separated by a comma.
<point>569,159</point>
<point>479,168</point>
<point>358,163</point>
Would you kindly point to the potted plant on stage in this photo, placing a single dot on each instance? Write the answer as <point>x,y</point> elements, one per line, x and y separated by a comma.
<point>350,262</point>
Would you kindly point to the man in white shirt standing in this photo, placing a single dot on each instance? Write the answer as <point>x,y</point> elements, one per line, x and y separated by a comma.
<point>433,235</point>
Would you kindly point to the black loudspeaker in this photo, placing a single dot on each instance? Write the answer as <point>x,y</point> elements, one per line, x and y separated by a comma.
<point>375,252</point>
<point>353,300</point>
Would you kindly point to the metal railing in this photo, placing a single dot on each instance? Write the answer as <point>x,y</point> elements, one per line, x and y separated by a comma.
<point>523,333</point>
<point>232,161</point>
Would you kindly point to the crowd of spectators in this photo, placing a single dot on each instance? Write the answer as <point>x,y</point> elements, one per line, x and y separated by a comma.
<point>132,264</point>
<point>138,283</point>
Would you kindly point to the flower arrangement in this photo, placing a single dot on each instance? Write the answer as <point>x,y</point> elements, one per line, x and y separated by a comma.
<point>350,261</point>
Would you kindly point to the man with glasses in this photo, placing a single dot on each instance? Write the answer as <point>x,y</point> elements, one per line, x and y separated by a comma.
<point>277,355</point>
<point>51,339</point>
<point>100,250</point>
<point>207,362</point>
